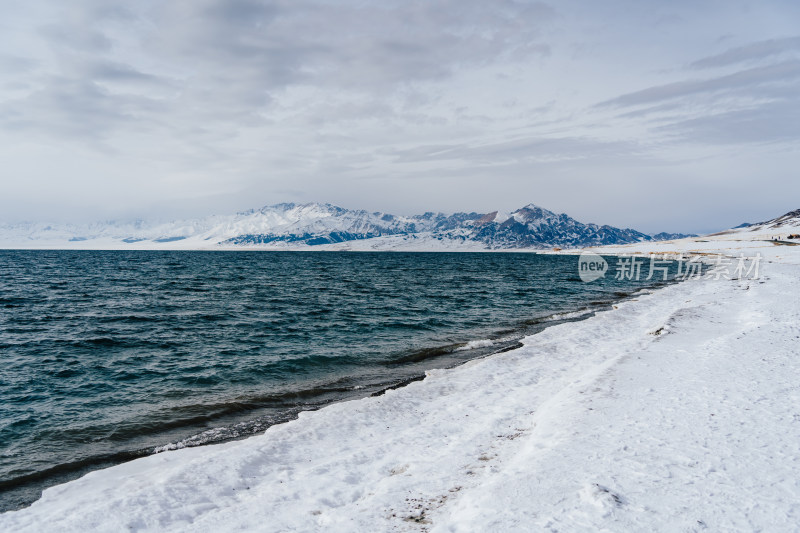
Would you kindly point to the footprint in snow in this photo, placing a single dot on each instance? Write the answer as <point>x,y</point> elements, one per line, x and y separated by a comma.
<point>601,497</point>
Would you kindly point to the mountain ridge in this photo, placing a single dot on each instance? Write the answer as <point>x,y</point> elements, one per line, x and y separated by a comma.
<point>308,225</point>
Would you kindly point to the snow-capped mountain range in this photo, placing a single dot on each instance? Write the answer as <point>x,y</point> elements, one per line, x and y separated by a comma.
<point>325,226</point>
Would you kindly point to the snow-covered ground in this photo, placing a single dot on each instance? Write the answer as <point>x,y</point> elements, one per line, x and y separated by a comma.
<point>418,242</point>
<point>678,410</point>
<point>733,242</point>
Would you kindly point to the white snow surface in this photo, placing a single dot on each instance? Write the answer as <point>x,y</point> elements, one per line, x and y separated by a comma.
<point>678,410</point>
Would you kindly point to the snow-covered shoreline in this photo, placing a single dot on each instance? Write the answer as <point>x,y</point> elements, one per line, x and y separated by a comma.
<point>676,410</point>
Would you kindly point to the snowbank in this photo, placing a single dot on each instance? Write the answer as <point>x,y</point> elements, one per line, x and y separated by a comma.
<point>677,410</point>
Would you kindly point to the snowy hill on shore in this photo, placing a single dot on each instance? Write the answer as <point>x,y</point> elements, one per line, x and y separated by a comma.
<point>779,227</point>
<point>782,231</point>
<point>325,226</point>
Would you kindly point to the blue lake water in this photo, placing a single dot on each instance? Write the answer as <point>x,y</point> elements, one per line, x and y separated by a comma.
<point>108,356</point>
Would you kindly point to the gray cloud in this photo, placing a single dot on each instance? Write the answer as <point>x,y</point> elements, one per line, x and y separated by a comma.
<point>14,64</point>
<point>752,51</point>
<point>111,71</point>
<point>86,40</point>
<point>518,150</point>
<point>225,59</point>
<point>744,79</point>
<point>772,122</point>
<point>358,46</point>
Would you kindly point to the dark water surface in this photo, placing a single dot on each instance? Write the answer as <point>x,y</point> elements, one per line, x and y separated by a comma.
<point>107,356</point>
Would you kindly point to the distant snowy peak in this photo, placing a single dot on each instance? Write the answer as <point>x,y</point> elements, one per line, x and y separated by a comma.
<point>528,227</point>
<point>314,224</point>
<point>792,218</point>
<point>290,225</point>
<point>664,236</point>
<point>534,213</point>
<point>788,224</point>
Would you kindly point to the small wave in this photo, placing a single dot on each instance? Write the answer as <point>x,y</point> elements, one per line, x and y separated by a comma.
<point>128,318</point>
<point>569,315</point>
<point>425,353</point>
<point>472,345</point>
<point>227,433</point>
<point>206,437</point>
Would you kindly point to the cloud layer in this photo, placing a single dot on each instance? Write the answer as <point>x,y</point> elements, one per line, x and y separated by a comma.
<point>610,112</point>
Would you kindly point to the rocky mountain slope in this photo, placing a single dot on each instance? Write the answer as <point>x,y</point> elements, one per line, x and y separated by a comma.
<point>292,226</point>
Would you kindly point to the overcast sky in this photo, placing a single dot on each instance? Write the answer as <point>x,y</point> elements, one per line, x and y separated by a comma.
<point>676,116</point>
